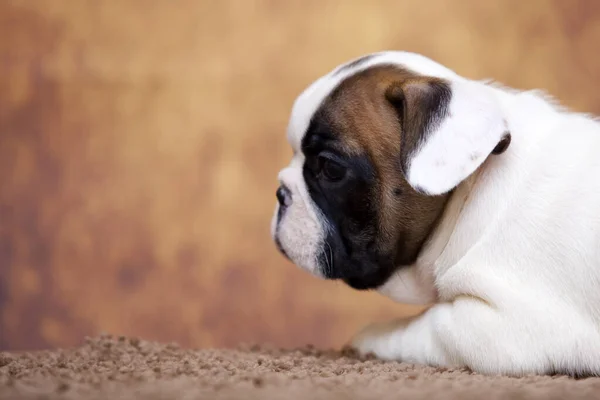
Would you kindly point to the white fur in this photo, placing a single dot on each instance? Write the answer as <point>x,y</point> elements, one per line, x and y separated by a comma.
<point>512,274</point>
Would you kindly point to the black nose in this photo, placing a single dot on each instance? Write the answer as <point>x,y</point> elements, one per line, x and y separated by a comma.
<point>284,196</point>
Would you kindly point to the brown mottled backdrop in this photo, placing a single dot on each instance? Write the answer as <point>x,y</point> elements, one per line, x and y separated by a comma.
<point>140,141</point>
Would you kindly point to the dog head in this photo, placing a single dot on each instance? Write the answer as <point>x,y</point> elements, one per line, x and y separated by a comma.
<point>379,144</point>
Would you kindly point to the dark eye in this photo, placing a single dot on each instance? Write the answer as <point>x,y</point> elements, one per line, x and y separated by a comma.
<point>332,170</point>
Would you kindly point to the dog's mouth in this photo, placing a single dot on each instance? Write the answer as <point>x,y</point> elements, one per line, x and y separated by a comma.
<point>280,248</point>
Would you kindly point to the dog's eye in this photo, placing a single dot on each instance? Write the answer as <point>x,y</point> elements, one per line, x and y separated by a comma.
<point>332,170</point>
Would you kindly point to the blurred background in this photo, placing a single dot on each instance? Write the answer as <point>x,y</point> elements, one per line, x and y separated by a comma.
<point>140,142</point>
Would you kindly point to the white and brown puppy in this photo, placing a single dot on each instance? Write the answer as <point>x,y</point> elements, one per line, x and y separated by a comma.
<point>481,201</point>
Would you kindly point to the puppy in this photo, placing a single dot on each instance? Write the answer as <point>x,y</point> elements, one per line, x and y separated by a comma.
<point>478,201</point>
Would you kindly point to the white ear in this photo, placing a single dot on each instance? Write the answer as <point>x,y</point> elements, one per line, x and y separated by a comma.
<point>459,140</point>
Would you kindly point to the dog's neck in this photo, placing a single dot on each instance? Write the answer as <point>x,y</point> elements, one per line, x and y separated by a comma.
<point>415,284</point>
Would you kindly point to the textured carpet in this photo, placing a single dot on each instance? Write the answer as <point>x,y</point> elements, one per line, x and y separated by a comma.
<point>124,368</point>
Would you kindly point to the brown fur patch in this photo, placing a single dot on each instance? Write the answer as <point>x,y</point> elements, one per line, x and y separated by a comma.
<point>366,121</point>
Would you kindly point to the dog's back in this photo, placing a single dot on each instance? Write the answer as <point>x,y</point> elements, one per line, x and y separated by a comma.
<point>528,240</point>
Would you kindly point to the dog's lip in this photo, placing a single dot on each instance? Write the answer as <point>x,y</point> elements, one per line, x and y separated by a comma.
<point>280,248</point>
<point>280,212</point>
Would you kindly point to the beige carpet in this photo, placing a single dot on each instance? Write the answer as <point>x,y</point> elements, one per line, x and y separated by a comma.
<point>124,368</point>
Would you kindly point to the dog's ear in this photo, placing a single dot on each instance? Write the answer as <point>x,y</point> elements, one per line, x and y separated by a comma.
<point>449,128</point>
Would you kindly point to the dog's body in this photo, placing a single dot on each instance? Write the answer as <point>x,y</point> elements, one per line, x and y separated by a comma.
<point>435,189</point>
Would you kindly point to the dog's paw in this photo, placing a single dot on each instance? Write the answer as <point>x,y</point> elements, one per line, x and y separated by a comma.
<point>381,340</point>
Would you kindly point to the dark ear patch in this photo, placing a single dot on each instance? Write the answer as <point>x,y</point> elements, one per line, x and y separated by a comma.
<point>421,104</point>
